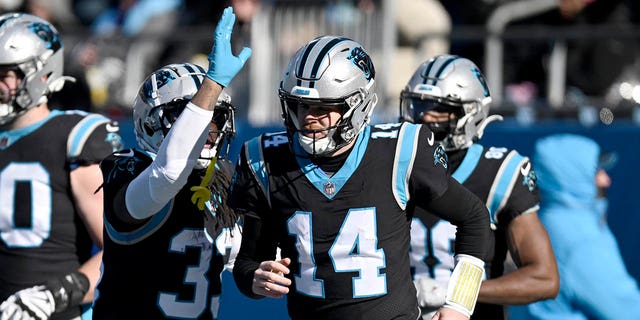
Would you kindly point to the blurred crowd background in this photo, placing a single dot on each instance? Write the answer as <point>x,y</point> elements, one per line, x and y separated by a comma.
<point>572,63</point>
<point>542,58</point>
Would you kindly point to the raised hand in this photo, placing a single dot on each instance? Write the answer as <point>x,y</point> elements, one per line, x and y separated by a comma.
<point>223,65</point>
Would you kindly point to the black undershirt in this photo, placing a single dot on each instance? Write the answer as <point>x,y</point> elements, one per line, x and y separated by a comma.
<point>331,164</point>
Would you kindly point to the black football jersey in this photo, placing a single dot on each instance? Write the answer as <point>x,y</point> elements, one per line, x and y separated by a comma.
<point>346,234</point>
<point>41,233</point>
<point>165,266</point>
<point>506,182</point>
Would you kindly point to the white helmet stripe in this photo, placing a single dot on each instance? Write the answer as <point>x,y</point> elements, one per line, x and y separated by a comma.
<point>154,91</point>
<point>194,75</point>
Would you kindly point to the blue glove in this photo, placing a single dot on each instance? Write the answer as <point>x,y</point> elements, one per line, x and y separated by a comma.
<point>223,65</point>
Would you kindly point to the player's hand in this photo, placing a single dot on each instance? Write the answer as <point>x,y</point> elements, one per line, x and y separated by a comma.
<point>223,65</point>
<point>32,303</point>
<point>449,314</point>
<point>41,301</point>
<point>431,293</point>
<point>269,279</point>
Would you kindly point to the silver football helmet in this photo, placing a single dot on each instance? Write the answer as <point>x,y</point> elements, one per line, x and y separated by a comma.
<point>31,46</point>
<point>162,97</point>
<point>334,71</point>
<point>452,84</point>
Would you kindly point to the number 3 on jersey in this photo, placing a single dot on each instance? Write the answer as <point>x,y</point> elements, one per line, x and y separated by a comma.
<point>354,250</point>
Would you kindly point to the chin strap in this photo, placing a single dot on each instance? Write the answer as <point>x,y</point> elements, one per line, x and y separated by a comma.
<point>201,193</point>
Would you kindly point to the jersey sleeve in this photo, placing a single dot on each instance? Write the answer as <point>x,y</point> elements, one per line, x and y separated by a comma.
<point>258,236</point>
<point>524,197</point>
<point>247,193</point>
<point>429,177</point>
<point>92,139</point>
<point>118,170</point>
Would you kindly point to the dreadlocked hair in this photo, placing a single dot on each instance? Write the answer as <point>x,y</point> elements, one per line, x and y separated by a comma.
<point>221,215</point>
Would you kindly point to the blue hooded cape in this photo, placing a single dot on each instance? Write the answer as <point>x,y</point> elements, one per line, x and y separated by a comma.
<point>594,282</point>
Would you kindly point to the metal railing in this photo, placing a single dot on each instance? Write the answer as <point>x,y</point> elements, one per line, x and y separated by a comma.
<point>279,30</point>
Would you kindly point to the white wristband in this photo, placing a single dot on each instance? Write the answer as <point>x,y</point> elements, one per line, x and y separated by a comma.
<point>464,285</point>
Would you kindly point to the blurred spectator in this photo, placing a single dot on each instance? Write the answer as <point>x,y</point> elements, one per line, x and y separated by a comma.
<point>10,5</point>
<point>424,24</point>
<point>594,282</point>
<point>134,17</point>
<point>246,11</point>
<point>423,33</point>
<point>88,10</point>
<point>593,64</point>
<point>75,95</point>
<point>57,12</point>
<point>127,39</point>
<point>197,14</point>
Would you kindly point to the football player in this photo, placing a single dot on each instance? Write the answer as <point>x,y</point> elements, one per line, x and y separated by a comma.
<point>50,212</point>
<point>449,95</point>
<point>332,193</point>
<point>160,261</point>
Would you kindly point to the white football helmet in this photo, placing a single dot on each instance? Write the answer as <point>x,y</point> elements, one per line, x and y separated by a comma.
<point>453,84</point>
<point>31,46</point>
<point>162,97</point>
<point>335,71</point>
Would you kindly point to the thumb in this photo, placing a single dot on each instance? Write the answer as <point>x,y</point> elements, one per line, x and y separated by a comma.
<point>245,54</point>
<point>286,262</point>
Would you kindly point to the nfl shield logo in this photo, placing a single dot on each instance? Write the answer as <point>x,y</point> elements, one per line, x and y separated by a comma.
<point>329,188</point>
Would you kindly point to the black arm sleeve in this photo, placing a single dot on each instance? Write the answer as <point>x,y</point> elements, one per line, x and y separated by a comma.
<point>258,232</point>
<point>256,247</point>
<point>465,210</point>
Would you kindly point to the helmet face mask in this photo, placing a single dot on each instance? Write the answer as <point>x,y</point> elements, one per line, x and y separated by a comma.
<point>334,72</point>
<point>219,141</point>
<point>161,99</point>
<point>454,85</point>
<point>31,46</point>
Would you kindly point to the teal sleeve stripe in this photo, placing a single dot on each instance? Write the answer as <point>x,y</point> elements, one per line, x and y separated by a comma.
<point>81,132</point>
<point>403,162</point>
<point>469,163</point>
<point>129,238</point>
<point>504,182</point>
<point>256,163</point>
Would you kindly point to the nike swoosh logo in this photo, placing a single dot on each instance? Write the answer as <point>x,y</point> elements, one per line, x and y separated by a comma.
<point>431,139</point>
<point>128,154</point>
<point>526,169</point>
<point>112,128</point>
